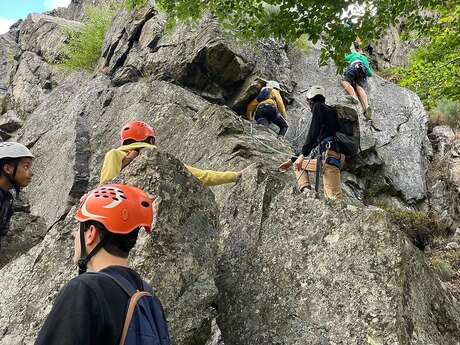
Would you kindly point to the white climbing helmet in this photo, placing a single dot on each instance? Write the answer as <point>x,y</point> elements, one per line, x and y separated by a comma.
<point>273,84</point>
<point>316,90</point>
<point>14,150</point>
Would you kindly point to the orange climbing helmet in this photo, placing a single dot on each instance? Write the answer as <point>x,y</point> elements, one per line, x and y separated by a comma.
<point>138,131</point>
<point>120,208</point>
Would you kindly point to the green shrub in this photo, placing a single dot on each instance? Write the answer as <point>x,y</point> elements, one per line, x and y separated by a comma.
<point>84,47</point>
<point>449,112</point>
<point>442,268</point>
<point>391,74</point>
<point>135,4</point>
<point>302,45</point>
<point>418,226</point>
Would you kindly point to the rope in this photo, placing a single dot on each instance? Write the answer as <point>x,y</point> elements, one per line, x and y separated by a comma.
<point>261,142</point>
<point>310,156</point>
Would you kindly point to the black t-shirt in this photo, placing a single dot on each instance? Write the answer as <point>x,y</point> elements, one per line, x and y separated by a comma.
<point>6,211</point>
<point>324,123</point>
<point>89,310</point>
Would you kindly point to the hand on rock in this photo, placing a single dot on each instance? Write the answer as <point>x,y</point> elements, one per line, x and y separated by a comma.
<point>285,166</point>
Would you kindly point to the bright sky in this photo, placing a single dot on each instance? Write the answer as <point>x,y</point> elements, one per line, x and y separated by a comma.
<point>12,10</point>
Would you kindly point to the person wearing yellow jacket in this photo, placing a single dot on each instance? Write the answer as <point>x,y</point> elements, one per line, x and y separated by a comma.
<point>268,107</point>
<point>137,135</point>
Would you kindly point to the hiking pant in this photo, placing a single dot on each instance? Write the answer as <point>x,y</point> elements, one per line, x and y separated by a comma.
<point>266,114</point>
<point>332,181</point>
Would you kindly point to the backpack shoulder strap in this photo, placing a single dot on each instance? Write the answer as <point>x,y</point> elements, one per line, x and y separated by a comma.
<point>121,281</point>
<point>129,314</point>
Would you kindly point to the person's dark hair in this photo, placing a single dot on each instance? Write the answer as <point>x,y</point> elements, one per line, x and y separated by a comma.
<point>318,98</point>
<point>115,244</point>
<point>149,140</point>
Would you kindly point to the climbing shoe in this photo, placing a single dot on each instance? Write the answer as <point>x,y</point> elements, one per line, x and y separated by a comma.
<point>368,113</point>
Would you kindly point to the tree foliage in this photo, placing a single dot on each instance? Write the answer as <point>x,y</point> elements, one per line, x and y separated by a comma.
<point>434,70</point>
<point>289,19</point>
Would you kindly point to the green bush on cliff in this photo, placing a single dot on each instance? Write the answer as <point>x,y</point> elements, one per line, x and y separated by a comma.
<point>434,69</point>
<point>84,47</point>
<point>135,4</point>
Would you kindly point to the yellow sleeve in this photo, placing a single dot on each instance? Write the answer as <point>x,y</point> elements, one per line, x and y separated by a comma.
<point>280,103</point>
<point>112,165</point>
<point>213,178</point>
<point>250,109</point>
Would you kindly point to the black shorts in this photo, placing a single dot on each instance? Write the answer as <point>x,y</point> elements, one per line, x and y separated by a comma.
<point>353,75</point>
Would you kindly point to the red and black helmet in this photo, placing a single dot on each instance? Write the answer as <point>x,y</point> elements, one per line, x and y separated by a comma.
<point>120,208</point>
<point>137,131</point>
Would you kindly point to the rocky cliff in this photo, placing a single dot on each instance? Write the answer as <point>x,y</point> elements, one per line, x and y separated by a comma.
<point>272,266</point>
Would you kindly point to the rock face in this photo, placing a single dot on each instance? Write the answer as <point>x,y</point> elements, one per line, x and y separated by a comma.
<point>323,273</point>
<point>9,51</point>
<point>273,266</point>
<point>178,258</point>
<point>45,35</point>
<point>392,51</point>
<point>444,178</point>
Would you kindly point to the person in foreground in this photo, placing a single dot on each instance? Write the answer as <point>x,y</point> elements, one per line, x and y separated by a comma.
<point>91,309</point>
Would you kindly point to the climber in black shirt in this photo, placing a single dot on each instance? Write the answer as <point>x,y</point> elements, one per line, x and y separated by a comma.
<point>91,308</point>
<point>15,173</point>
<point>322,133</point>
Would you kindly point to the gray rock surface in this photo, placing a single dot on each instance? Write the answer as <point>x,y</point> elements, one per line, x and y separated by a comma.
<point>444,178</point>
<point>45,35</point>
<point>178,258</point>
<point>32,83</point>
<point>273,266</point>
<point>26,231</point>
<point>9,53</point>
<point>10,122</point>
<point>392,51</point>
<point>316,272</point>
<point>454,165</point>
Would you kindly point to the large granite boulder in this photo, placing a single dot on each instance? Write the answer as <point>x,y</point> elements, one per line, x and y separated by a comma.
<point>45,35</point>
<point>297,270</point>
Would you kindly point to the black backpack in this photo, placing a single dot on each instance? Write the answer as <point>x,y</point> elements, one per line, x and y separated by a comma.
<point>361,70</point>
<point>264,94</point>
<point>348,142</point>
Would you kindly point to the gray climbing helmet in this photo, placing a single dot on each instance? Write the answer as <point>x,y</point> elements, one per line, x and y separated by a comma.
<point>273,84</point>
<point>316,90</point>
<point>14,150</point>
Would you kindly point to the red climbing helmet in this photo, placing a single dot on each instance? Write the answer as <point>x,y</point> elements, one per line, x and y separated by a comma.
<point>137,130</point>
<point>120,208</point>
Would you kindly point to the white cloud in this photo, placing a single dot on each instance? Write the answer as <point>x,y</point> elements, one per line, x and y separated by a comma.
<point>5,24</point>
<point>51,4</point>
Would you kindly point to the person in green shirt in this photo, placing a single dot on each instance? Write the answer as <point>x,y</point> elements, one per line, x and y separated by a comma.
<point>355,79</point>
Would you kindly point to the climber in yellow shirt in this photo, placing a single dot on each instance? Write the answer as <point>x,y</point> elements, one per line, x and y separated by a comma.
<point>136,135</point>
<point>268,107</point>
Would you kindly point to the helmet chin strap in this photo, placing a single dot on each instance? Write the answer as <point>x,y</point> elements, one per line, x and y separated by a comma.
<point>84,258</point>
<point>12,178</point>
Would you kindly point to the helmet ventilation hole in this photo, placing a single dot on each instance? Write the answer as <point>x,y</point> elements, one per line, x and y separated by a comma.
<point>145,204</point>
